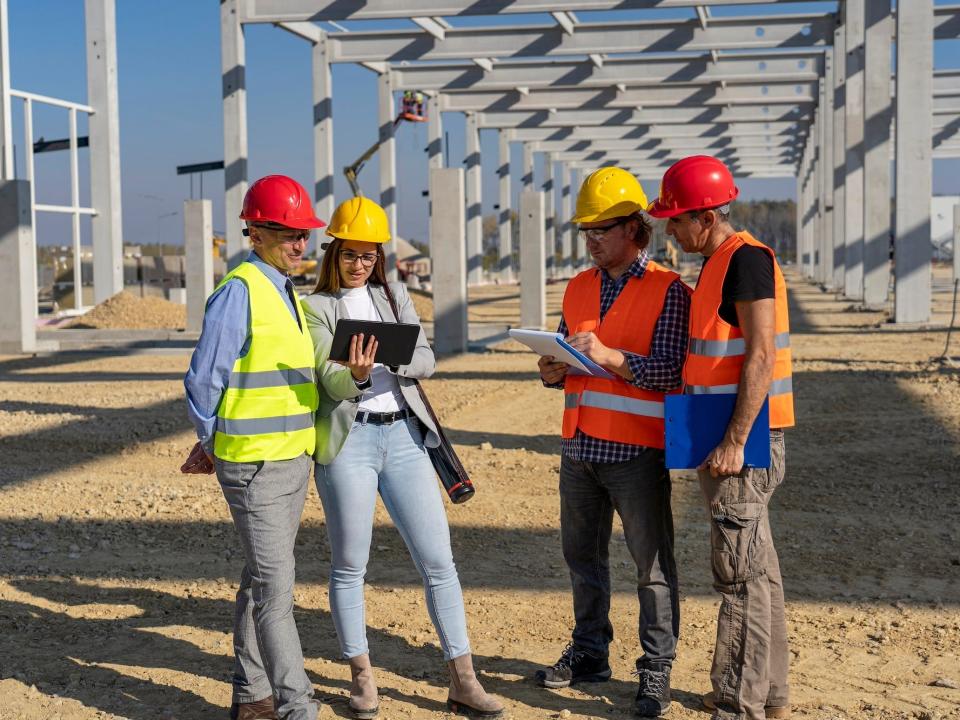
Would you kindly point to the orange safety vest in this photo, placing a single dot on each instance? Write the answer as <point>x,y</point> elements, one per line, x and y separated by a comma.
<point>614,409</point>
<point>717,349</point>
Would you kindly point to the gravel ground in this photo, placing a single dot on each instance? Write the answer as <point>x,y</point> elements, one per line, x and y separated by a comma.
<point>117,573</point>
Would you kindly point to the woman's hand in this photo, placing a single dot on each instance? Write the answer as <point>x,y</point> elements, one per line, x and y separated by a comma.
<point>361,361</point>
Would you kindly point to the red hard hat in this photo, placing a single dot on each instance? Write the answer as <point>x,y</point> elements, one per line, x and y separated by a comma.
<point>697,182</point>
<point>282,200</point>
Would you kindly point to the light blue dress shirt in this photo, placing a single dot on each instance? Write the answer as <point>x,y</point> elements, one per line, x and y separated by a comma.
<point>224,338</point>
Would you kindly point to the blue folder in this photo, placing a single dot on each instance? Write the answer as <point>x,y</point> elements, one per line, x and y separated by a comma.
<point>695,425</point>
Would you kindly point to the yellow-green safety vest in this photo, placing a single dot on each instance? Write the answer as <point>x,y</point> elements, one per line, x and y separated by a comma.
<point>267,410</point>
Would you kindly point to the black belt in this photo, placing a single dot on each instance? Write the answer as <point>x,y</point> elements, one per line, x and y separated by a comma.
<point>383,418</point>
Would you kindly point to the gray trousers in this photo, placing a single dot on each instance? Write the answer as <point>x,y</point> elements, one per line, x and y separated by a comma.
<point>751,658</point>
<point>266,501</point>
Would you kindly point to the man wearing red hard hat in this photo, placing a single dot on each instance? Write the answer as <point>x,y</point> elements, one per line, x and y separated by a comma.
<point>739,343</point>
<point>252,396</point>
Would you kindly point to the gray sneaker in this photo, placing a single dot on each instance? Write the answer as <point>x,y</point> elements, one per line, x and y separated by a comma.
<point>653,695</point>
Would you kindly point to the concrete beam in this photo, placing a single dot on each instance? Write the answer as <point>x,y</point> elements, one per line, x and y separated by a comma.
<point>791,67</point>
<point>670,133</point>
<point>726,154</point>
<point>733,33</point>
<point>533,280</point>
<point>877,110</point>
<point>914,166</point>
<point>388,166</point>
<point>18,269</point>
<point>233,68</point>
<point>689,96</point>
<point>323,166</point>
<point>104,129</point>
<point>759,114</point>
<point>198,251</point>
<point>474,203</point>
<point>327,10</point>
<point>504,219</point>
<point>688,145</point>
<point>449,260</point>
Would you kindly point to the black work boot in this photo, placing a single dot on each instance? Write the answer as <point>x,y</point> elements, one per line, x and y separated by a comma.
<point>575,665</point>
<point>653,696</point>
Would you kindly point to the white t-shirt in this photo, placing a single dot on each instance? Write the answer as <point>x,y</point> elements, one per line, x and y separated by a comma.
<point>384,394</point>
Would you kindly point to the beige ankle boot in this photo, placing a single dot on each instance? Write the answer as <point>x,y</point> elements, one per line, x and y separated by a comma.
<point>466,696</point>
<point>364,701</point>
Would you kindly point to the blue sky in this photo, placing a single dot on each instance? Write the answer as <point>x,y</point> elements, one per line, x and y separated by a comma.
<point>170,112</point>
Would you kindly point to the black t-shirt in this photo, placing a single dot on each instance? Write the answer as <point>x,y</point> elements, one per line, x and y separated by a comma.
<point>749,277</point>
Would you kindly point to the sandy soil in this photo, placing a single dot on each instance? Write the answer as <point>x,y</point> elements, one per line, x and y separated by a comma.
<point>117,573</point>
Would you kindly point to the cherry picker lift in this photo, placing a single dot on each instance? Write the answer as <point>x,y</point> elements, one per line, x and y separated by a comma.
<point>411,110</point>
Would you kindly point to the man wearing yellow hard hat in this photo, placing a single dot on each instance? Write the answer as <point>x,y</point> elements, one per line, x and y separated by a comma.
<point>629,315</point>
<point>373,429</point>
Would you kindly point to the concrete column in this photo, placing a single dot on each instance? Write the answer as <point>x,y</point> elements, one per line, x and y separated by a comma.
<point>104,130</point>
<point>566,238</point>
<point>798,257</point>
<point>474,206</point>
<point>388,166</point>
<point>912,251</point>
<point>198,251</point>
<point>533,279</point>
<point>233,67</point>
<point>549,209</point>
<point>323,168</point>
<point>6,121</point>
<point>956,243</point>
<point>877,110</point>
<point>853,136</point>
<point>18,269</point>
<point>526,180</point>
<point>816,208</point>
<point>434,133</point>
<point>505,222</point>
<point>583,257</point>
<point>839,160</point>
<point>449,260</point>
<point>827,171</point>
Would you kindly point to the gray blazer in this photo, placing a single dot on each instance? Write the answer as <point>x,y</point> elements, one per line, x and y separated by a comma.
<point>339,396</point>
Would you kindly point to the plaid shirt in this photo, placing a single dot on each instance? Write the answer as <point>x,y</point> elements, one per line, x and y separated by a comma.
<point>660,371</point>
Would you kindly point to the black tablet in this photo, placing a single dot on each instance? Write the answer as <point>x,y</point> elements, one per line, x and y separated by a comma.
<point>397,341</point>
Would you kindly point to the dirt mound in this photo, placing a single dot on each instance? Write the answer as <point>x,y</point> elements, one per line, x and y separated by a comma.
<point>423,302</point>
<point>128,312</point>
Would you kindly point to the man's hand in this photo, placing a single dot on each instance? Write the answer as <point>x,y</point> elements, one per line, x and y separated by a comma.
<point>590,345</point>
<point>198,462</point>
<point>551,371</point>
<point>725,459</point>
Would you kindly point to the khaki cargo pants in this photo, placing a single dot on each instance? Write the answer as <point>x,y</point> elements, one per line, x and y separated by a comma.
<point>751,658</point>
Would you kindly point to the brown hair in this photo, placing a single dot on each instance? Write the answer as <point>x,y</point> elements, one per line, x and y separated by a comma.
<point>328,281</point>
<point>644,230</point>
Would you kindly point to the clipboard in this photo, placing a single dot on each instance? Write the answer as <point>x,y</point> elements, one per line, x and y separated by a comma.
<point>397,341</point>
<point>695,425</point>
<point>553,344</point>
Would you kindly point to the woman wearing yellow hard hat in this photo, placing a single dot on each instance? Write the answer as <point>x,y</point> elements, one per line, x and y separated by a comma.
<point>373,431</point>
<point>629,315</point>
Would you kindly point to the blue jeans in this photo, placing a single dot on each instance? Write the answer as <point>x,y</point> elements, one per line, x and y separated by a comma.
<point>389,459</point>
<point>639,490</point>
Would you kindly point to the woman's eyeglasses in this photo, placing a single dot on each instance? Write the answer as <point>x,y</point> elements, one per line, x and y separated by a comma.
<point>366,259</point>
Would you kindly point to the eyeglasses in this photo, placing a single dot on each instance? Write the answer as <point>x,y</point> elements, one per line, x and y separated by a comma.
<point>597,234</point>
<point>366,259</point>
<point>286,235</point>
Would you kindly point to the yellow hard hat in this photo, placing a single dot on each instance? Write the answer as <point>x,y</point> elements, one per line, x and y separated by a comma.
<point>608,193</point>
<point>359,218</point>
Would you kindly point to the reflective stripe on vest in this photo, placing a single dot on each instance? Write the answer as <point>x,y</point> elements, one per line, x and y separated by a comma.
<point>732,347</point>
<point>263,426</point>
<point>271,378</point>
<point>782,386</point>
<point>618,403</point>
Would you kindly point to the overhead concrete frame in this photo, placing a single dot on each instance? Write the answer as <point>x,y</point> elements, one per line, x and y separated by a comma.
<point>805,99</point>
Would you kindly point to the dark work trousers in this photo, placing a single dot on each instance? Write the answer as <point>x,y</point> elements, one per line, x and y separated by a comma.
<point>751,658</point>
<point>639,491</point>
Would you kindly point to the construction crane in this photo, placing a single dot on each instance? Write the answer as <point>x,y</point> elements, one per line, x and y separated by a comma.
<point>412,110</point>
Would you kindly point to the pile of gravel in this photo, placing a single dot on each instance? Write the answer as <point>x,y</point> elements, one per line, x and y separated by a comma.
<point>127,311</point>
